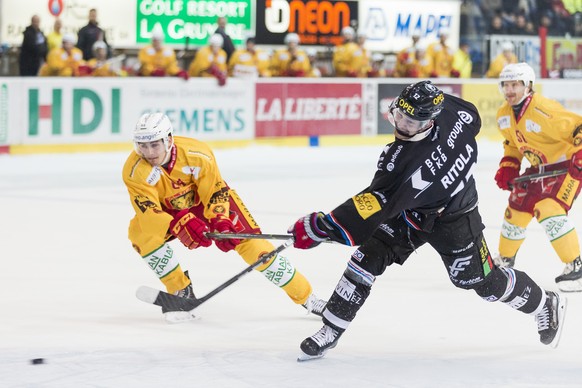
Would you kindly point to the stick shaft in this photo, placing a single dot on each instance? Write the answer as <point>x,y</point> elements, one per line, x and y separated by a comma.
<point>539,175</point>
<point>243,236</point>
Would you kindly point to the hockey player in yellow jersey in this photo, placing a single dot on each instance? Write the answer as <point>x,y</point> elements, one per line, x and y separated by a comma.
<point>210,60</point>
<point>250,62</point>
<point>177,191</point>
<point>157,60</point>
<point>349,58</point>
<point>441,55</point>
<point>549,137</point>
<point>63,61</point>
<point>290,61</point>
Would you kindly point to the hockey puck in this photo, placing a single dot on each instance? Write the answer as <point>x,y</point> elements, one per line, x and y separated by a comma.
<point>37,361</point>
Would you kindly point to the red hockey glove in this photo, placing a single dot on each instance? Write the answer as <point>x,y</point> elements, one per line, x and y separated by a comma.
<point>306,232</point>
<point>455,73</point>
<point>222,224</point>
<point>575,169</point>
<point>351,74</point>
<point>158,73</point>
<point>189,230</point>
<point>183,74</point>
<point>507,172</point>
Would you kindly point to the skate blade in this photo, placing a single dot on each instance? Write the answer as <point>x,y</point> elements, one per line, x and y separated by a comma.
<point>561,315</point>
<point>174,317</point>
<point>306,357</point>
<point>570,285</point>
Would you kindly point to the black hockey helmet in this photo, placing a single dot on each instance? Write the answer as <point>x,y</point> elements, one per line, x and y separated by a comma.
<point>420,101</point>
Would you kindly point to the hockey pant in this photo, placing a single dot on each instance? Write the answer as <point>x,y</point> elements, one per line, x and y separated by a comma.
<point>463,251</point>
<point>553,218</point>
<point>278,270</point>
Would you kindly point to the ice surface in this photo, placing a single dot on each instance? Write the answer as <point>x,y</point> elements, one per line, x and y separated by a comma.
<point>69,277</point>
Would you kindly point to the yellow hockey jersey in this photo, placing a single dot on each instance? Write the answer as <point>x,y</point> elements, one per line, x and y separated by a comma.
<point>60,63</point>
<point>204,59</point>
<point>157,193</point>
<point>151,60</point>
<point>546,132</point>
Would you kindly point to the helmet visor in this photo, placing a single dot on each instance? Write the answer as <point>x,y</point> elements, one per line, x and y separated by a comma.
<point>405,125</point>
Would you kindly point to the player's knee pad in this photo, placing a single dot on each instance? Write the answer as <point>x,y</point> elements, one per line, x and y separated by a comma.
<point>553,218</point>
<point>280,271</point>
<point>515,224</point>
<point>162,261</point>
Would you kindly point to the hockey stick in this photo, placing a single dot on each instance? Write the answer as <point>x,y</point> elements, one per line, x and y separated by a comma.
<point>259,236</point>
<point>174,303</point>
<point>545,174</point>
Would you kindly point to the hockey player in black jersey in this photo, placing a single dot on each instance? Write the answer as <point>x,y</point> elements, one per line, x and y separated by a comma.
<point>423,192</point>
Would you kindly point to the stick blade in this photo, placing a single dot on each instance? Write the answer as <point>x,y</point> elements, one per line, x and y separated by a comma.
<point>147,294</point>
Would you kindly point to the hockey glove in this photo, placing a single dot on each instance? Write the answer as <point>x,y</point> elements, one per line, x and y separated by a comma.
<point>575,169</point>
<point>507,172</point>
<point>307,233</point>
<point>183,74</point>
<point>158,73</point>
<point>189,230</point>
<point>221,224</point>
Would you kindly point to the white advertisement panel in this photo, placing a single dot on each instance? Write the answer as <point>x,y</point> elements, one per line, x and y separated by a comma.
<point>116,17</point>
<point>65,111</point>
<point>389,24</point>
<point>527,49</point>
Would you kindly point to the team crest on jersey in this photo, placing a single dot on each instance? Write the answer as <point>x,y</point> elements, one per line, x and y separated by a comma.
<point>532,126</point>
<point>504,122</point>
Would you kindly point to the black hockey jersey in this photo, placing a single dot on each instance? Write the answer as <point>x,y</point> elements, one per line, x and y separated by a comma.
<point>419,180</point>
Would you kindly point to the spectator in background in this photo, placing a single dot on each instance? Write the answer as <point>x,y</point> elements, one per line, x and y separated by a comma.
<point>366,66</point>
<point>503,59</point>
<point>55,38</point>
<point>553,25</point>
<point>249,62</point>
<point>227,44</point>
<point>462,63</point>
<point>63,61</point>
<point>441,55</point>
<point>33,50</point>
<point>496,27</point>
<point>159,61</point>
<point>90,34</point>
<point>290,61</point>
<point>210,61</point>
<point>520,25</point>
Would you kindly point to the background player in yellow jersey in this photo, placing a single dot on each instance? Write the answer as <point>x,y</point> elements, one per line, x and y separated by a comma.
<point>177,191</point>
<point>550,138</point>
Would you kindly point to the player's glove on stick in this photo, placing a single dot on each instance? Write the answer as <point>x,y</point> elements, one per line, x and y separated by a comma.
<point>575,169</point>
<point>307,233</point>
<point>507,172</point>
<point>222,224</point>
<point>190,230</point>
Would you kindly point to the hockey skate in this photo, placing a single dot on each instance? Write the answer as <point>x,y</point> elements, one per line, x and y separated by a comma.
<point>314,305</point>
<point>181,316</point>
<point>504,262</point>
<point>318,344</point>
<point>571,279</point>
<point>551,319</point>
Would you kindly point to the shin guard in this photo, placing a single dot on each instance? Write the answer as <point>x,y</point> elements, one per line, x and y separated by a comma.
<point>349,296</point>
